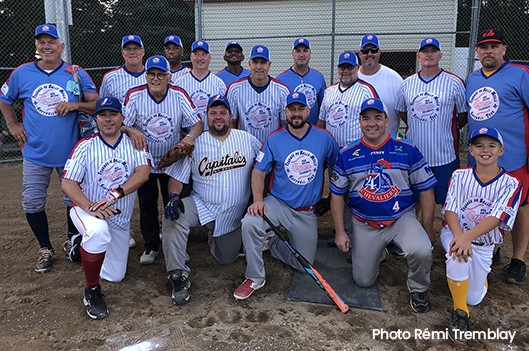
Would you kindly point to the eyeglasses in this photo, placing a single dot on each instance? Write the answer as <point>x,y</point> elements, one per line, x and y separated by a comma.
<point>160,76</point>
<point>131,49</point>
<point>372,50</point>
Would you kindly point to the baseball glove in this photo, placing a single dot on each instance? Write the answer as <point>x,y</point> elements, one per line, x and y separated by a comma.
<point>177,152</point>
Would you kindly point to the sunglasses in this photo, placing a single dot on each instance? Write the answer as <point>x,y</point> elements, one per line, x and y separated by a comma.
<point>372,50</point>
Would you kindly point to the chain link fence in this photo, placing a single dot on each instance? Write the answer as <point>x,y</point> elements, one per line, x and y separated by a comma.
<point>97,26</point>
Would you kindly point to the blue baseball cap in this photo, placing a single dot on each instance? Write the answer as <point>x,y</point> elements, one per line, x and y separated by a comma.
<point>175,39</point>
<point>218,99</point>
<point>369,39</point>
<point>233,43</point>
<point>430,42</point>
<point>47,29</point>
<point>301,41</point>
<point>297,97</point>
<point>487,131</point>
<point>373,103</point>
<point>159,62</point>
<point>108,103</point>
<point>200,44</point>
<point>131,38</point>
<point>348,57</point>
<point>260,51</point>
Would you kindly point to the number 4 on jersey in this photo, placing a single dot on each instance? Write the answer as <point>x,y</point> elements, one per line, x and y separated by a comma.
<point>396,206</point>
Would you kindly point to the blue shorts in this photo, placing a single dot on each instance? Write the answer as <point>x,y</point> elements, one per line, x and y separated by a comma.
<point>442,174</point>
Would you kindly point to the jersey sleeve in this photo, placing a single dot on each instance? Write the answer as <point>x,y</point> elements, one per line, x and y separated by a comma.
<point>452,199</point>
<point>11,89</point>
<point>255,145</point>
<point>189,113</point>
<point>322,116</point>
<point>221,88</point>
<point>332,152</point>
<point>400,106</point>
<point>506,205</point>
<point>104,90</point>
<point>75,167</point>
<point>421,176</point>
<point>265,159</point>
<point>282,115</point>
<point>524,86</point>
<point>180,170</point>
<point>232,99</point>
<point>88,85</point>
<point>459,95</point>
<point>130,110</point>
<point>339,183</point>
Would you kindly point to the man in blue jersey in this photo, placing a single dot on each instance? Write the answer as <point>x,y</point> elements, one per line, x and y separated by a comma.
<point>234,70</point>
<point>377,174</point>
<point>297,154</point>
<point>498,97</point>
<point>51,99</point>
<point>301,78</point>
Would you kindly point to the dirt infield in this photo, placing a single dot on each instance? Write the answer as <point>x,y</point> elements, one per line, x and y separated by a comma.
<point>45,311</point>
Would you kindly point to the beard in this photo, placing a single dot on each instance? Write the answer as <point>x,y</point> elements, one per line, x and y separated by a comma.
<point>297,126</point>
<point>218,131</point>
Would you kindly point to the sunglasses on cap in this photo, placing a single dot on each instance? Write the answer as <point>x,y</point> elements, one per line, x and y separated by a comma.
<point>372,50</point>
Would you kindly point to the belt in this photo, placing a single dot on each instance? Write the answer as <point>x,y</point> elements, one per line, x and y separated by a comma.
<point>481,244</point>
<point>305,208</point>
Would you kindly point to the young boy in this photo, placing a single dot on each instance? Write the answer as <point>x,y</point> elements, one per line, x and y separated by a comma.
<point>481,203</point>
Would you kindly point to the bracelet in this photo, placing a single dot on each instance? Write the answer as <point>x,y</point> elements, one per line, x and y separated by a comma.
<point>120,190</point>
<point>189,135</point>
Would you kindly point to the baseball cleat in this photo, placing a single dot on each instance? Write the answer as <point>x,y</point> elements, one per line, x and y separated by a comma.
<point>96,308</point>
<point>45,259</point>
<point>180,286</point>
<point>247,288</point>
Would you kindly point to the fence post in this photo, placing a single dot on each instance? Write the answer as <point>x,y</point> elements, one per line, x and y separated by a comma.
<point>333,39</point>
<point>198,19</point>
<point>474,25</point>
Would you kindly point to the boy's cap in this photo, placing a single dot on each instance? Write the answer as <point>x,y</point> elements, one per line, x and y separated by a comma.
<point>108,103</point>
<point>485,131</point>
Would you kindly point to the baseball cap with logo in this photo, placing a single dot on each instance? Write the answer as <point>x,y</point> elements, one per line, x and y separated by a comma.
<point>297,97</point>
<point>348,57</point>
<point>217,100</point>
<point>233,44</point>
<point>131,38</point>
<point>47,29</point>
<point>491,35</point>
<point>373,103</point>
<point>488,131</point>
<point>159,62</point>
<point>260,51</point>
<point>175,39</point>
<point>200,44</point>
<point>301,41</point>
<point>108,103</point>
<point>430,42</point>
<point>369,39</point>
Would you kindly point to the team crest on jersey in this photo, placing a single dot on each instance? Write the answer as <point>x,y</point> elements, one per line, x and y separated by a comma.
<point>309,91</point>
<point>46,97</point>
<point>113,173</point>
<point>425,106</point>
<point>338,114</point>
<point>301,167</point>
<point>228,162</point>
<point>484,103</point>
<point>473,211</point>
<point>378,186</point>
<point>158,127</point>
<point>200,99</point>
<point>258,116</point>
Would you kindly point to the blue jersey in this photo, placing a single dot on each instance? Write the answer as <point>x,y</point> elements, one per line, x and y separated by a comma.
<point>501,101</point>
<point>297,164</point>
<point>229,77</point>
<point>50,137</point>
<point>380,181</point>
<point>312,84</point>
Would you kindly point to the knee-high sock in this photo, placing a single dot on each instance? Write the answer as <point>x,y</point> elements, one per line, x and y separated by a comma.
<point>459,290</point>
<point>92,264</point>
<point>38,222</point>
<point>72,229</point>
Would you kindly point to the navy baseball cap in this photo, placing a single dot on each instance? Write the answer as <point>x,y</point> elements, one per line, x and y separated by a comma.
<point>369,39</point>
<point>218,99</point>
<point>131,39</point>
<point>373,103</point>
<point>491,35</point>
<point>348,57</point>
<point>297,97</point>
<point>175,39</point>
<point>260,51</point>
<point>488,131</point>
<point>159,62</point>
<point>233,43</point>
<point>301,41</point>
<point>430,42</point>
<point>200,44</point>
<point>108,103</point>
<point>47,29</point>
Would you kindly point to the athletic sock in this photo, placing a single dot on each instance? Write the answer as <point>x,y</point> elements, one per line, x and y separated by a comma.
<point>72,229</point>
<point>459,290</point>
<point>38,222</point>
<point>92,264</point>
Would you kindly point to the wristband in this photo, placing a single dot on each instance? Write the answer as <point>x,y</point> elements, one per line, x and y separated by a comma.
<point>120,191</point>
<point>189,135</point>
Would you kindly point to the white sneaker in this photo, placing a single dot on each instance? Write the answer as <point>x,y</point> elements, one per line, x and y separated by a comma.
<point>148,257</point>
<point>132,243</point>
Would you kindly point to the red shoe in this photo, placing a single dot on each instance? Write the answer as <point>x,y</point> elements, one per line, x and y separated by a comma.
<point>247,288</point>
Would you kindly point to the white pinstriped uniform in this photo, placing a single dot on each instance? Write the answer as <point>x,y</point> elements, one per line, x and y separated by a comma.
<point>99,168</point>
<point>118,81</point>
<point>258,113</point>
<point>201,90</point>
<point>161,122</point>
<point>177,74</point>
<point>340,110</point>
<point>432,121</point>
<point>221,177</point>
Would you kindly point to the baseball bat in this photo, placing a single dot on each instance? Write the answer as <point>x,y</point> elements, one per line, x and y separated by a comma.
<point>311,271</point>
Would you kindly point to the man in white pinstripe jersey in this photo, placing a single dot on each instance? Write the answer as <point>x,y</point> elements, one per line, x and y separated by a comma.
<point>220,167</point>
<point>432,104</point>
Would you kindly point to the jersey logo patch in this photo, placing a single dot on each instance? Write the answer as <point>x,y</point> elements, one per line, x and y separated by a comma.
<point>484,103</point>
<point>338,114</point>
<point>378,186</point>
<point>113,173</point>
<point>301,167</point>
<point>46,97</point>
<point>228,162</point>
<point>473,211</point>
<point>258,116</point>
<point>425,107</point>
<point>200,99</point>
<point>309,91</point>
<point>158,128</point>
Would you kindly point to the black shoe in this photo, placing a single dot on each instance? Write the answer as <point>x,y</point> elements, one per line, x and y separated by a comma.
<point>516,272</point>
<point>394,249</point>
<point>419,302</point>
<point>459,324</point>
<point>72,247</point>
<point>180,286</point>
<point>96,308</point>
